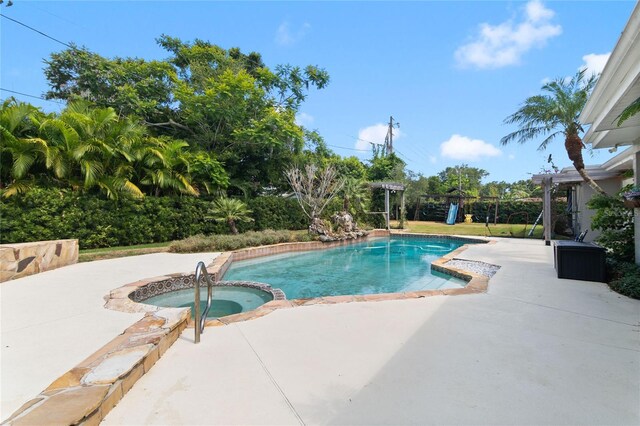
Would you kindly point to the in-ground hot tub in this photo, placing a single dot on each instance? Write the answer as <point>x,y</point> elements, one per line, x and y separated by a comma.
<point>229,297</point>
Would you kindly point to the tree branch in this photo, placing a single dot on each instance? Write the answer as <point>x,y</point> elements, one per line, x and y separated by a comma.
<point>172,124</point>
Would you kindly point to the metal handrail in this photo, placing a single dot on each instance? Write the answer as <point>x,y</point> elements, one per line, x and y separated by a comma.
<point>201,272</point>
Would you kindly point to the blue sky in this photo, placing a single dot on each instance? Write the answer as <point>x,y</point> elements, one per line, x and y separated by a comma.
<point>448,72</point>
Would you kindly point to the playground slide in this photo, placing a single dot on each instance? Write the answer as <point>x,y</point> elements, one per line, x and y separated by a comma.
<point>453,213</point>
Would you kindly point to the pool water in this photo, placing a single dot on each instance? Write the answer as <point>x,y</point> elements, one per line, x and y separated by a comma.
<point>375,266</point>
<point>227,300</point>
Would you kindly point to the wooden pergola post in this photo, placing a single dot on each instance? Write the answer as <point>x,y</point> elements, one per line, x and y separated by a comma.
<point>546,209</point>
<point>386,207</point>
<point>402,210</point>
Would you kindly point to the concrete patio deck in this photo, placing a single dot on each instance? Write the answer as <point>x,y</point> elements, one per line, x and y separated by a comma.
<point>533,350</point>
<point>51,321</point>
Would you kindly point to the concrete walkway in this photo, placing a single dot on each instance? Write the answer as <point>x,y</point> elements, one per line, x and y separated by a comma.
<point>52,321</point>
<point>533,350</point>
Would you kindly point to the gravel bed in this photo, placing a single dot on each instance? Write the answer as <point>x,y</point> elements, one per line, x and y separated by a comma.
<point>480,268</point>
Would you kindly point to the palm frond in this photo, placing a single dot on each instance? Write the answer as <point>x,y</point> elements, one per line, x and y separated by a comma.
<point>21,164</point>
<point>629,111</point>
<point>17,187</point>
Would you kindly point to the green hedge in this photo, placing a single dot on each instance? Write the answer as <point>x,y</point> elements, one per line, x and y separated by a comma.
<point>50,214</point>
<point>273,212</point>
<point>508,211</point>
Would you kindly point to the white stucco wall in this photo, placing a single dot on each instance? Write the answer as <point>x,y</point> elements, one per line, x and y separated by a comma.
<point>583,195</point>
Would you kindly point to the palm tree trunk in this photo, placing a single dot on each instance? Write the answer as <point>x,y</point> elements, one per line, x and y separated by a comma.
<point>573,144</point>
<point>232,225</point>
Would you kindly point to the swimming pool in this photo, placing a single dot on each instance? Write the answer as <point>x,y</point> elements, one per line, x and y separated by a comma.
<point>386,265</point>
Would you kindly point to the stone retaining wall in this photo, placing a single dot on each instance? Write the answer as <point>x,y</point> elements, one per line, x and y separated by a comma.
<point>20,260</point>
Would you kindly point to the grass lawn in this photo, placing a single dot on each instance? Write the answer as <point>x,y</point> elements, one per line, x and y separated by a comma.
<point>474,229</point>
<point>477,229</point>
<point>112,252</point>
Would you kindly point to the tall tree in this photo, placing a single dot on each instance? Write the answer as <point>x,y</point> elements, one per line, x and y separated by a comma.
<point>469,178</point>
<point>556,113</point>
<point>224,101</point>
<point>128,85</point>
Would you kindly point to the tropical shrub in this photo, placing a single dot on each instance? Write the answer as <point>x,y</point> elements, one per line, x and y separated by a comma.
<point>624,278</point>
<point>616,223</point>
<point>202,243</point>
<point>95,150</point>
<point>230,211</point>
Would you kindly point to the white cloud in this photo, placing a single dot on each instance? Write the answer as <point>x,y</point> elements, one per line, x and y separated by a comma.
<point>286,37</point>
<point>536,12</point>
<point>594,63</point>
<point>463,148</point>
<point>375,134</point>
<point>512,157</point>
<point>304,119</point>
<point>504,44</point>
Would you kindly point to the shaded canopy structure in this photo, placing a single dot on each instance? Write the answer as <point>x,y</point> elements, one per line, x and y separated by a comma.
<point>390,186</point>
<point>567,178</point>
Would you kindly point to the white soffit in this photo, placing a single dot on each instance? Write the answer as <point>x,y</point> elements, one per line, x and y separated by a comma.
<point>610,121</point>
<point>611,138</point>
<point>618,86</point>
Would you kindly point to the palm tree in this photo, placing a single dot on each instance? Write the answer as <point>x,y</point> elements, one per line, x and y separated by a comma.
<point>556,113</point>
<point>92,147</point>
<point>167,167</point>
<point>22,152</point>
<point>230,210</point>
<point>354,193</point>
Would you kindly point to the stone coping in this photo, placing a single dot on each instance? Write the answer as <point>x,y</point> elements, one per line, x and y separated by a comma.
<point>182,282</point>
<point>85,394</point>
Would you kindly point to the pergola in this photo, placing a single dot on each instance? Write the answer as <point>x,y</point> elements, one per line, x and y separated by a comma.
<point>547,180</point>
<point>389,186</point>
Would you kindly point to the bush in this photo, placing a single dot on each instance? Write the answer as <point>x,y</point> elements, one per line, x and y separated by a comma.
<point>624,278</point>
<point>616,223</point>
<point>272,212</point>
<point>51,214</point>
<point>202,243</point>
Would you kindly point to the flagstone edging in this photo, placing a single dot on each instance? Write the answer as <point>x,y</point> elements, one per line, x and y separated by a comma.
<point>85,394</point>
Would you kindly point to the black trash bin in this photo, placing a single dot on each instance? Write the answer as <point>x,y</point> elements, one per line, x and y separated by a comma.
<point>579,261</point>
